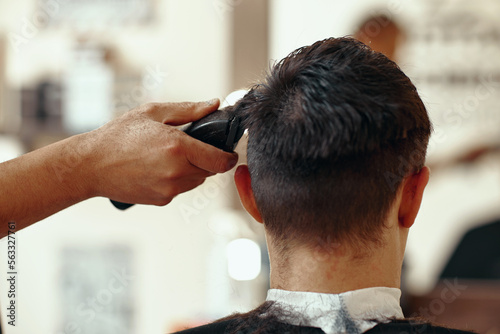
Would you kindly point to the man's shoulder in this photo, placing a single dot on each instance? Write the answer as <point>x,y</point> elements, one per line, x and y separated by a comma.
<point>413,327</point>
<point>216,327</point>
<point>396,327</point>
<point>234,326</point>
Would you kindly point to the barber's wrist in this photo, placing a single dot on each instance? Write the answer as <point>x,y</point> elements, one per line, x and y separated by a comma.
<point>76,167</point>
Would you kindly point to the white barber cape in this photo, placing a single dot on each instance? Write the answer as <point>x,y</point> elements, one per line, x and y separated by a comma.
<point>349,312</point>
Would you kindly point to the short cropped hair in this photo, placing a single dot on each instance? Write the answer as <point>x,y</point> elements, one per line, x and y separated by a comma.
<point>332,132</point>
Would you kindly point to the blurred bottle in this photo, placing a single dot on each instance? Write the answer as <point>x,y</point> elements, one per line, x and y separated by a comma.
<point>87,90</point>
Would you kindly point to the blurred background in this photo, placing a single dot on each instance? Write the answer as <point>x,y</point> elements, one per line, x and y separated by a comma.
<point>69,66</point>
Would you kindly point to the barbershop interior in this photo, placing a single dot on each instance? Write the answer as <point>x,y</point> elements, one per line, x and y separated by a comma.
<point>70,66</point>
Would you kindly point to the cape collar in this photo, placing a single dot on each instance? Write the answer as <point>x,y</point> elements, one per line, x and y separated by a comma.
<point>349,312</point>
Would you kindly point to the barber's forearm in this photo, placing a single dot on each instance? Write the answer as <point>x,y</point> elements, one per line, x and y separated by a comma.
<point>139,157</point>
<point>43,182</point>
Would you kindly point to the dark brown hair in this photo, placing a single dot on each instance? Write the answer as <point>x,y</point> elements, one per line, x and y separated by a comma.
<point>333,130</point>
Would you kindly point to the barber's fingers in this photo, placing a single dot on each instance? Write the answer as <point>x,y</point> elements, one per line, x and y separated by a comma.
<point>208,157</point>
<point>169,192</point>
<point>187,185</point>
<point>179,113</point>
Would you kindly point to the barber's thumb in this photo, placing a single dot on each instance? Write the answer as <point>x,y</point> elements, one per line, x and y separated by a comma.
<point>184,112</point>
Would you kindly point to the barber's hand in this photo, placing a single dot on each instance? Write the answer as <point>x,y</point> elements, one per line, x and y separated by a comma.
<point>142,158</point>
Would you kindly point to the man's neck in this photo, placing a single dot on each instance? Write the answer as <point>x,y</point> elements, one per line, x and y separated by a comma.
<point>335,269</point>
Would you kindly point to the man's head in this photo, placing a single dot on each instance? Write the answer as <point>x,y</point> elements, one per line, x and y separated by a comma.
<point>334,131</point>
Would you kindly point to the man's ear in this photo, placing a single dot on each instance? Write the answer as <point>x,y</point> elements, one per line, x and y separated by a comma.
<point>411,198</point>
<point>244,186</point>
